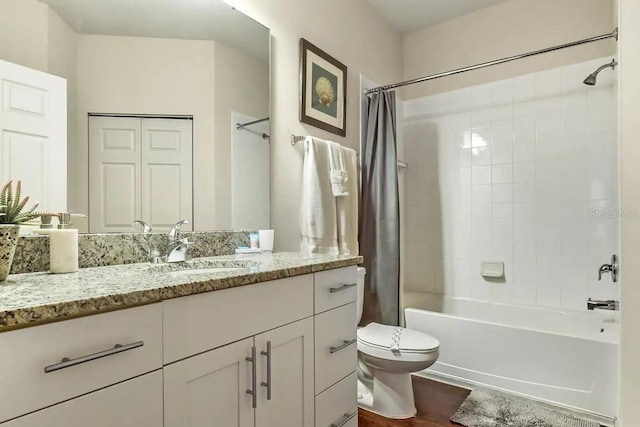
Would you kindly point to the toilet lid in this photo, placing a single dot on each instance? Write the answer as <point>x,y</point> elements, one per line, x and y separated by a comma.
<point>394,337</point>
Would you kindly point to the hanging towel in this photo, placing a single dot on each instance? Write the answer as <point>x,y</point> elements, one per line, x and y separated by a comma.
<point>339,173</point>
<point>347,207</point>
<point>318,222</point>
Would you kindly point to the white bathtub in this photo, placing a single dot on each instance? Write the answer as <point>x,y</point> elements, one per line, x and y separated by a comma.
<point>567,358</point>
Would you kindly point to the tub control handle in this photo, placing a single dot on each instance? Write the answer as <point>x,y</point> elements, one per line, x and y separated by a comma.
<point>345,419</point>
<point>344,345</point>
<point>342,288</point>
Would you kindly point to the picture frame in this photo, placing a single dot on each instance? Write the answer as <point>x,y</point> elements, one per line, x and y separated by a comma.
<point>323,89</point>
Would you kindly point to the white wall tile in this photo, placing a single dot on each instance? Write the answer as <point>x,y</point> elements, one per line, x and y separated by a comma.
<point>502,174</point>
<point>481,175</point>
<point>502,212</point>
<point>502,193</point>
<point>502,153</point>
<point>522,170</point>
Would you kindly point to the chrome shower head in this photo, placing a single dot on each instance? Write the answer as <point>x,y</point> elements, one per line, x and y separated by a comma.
<point>591,78</point>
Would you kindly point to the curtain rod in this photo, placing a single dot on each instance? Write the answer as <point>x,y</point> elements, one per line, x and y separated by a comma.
<point>613,34</point>
<point>240,126</point>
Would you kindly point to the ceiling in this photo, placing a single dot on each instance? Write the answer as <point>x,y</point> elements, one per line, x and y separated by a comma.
<point>411,15</point>
<point>184,19</point>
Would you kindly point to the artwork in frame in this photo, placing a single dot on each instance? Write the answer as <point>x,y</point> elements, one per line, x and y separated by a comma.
<point>323,89</point>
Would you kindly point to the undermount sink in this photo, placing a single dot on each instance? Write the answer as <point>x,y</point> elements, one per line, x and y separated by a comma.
<point>201,267</point>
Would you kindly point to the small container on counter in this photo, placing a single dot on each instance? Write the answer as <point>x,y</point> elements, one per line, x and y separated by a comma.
<point>63,247</point>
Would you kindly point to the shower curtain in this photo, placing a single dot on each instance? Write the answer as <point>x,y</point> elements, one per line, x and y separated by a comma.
<point>379,233</point>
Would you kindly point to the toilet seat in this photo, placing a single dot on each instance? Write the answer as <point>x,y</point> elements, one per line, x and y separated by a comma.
<point>396,343</point>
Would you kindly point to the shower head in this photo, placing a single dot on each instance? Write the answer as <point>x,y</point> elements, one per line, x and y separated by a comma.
<point>591,78</point>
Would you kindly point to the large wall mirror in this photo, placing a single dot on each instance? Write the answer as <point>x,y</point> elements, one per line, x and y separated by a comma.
<point>155,110</point>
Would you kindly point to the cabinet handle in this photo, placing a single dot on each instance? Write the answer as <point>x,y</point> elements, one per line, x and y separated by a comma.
<point>342,288</point>
<point>268,383</point>
<point>345,419</point>
<point>344,344</point>
<point>252,392</point>
<point>67,363</point>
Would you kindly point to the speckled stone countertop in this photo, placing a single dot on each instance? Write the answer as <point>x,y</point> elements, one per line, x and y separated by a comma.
<point>34,298</point>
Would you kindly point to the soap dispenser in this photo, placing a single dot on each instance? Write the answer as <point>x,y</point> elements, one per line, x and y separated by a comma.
<point>63,247</point>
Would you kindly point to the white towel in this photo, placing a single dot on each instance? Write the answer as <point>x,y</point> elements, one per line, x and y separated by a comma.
<point>347,207</point>
<point>339,173</point>
<point>318,222</point>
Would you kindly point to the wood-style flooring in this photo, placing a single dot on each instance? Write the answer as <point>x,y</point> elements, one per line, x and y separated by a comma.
<point>436,403</point>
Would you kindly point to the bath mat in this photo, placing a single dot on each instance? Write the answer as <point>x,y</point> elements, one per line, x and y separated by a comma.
<point>484,408</point>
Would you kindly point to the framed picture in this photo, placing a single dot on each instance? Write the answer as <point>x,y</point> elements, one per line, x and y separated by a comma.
<point>323,90</point>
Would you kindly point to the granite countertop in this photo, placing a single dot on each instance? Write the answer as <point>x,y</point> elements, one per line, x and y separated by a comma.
<point>35,298</point>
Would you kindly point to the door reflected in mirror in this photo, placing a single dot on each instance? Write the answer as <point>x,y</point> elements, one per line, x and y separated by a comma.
<point>167,111</point>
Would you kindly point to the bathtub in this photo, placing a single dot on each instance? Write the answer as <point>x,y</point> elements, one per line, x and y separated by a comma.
<point>566,358</point>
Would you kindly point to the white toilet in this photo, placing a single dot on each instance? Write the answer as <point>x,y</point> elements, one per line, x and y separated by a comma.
<point>387,355</point>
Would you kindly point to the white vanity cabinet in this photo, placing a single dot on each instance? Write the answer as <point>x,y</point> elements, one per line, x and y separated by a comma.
<point>278,353</point>
<point>138,402</point>
<point>228,387</point>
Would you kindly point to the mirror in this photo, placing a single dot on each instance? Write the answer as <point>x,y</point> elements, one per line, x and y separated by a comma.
<point>163,113</point>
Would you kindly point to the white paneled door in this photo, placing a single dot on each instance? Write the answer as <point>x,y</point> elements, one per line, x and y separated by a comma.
<point>139,168</point>
<point>33,134</point>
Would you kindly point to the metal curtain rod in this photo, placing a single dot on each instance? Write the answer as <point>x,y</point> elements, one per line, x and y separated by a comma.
<point>296,138</point>
<point>613,34</point>
<point>240,126</point>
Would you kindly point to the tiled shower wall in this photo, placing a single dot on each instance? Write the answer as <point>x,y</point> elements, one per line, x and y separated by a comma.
<point>522,171</point>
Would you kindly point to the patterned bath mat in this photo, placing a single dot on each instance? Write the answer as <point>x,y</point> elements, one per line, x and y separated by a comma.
<point>484,408</point>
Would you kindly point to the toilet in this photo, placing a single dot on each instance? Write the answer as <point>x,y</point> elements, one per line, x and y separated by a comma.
<point>387,355</point>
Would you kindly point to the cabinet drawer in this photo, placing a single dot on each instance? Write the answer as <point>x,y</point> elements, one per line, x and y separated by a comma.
<point>133,403</point>
<point>89,344</point>
<point>334,288</point>
<point>199,323</point>
<point>336,348</point>
<point>338,404</point>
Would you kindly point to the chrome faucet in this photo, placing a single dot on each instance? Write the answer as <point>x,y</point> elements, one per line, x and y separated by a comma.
<point>603,305</point>
<point>178,248</point>
<point>152,253</point>
<point>612,268</point>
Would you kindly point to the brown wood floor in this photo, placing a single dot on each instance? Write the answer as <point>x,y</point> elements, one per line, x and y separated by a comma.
<point>436,403</point>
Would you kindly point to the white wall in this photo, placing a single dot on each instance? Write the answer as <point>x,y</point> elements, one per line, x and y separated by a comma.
<point>517,171</point>
<point>353,33</point>
<point>242,85</point>
<point>507,28</point>
<point>23,39</point>
<point>630,200</point>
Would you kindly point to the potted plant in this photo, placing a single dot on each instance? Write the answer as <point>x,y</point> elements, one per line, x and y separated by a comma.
<point>11,216</point>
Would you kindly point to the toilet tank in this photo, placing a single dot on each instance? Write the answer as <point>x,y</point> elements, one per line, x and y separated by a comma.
<point>360,299</point>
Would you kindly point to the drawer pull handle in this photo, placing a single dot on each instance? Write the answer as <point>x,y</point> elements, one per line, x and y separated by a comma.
<point>344,344</point>
<point>268,383</point>
<point>67,363</point>
<point>345,419</point>
<point>342,288</point>
<point>253,392</point>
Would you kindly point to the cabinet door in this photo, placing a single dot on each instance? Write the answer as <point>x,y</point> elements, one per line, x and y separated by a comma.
<point>133,403</point>
<point>210,389</point>
<point>291,379</point>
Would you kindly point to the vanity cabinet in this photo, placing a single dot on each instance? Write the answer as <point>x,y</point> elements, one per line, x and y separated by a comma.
<point>138,402</point>
<point>280,353</point>
<point>262,381</point>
